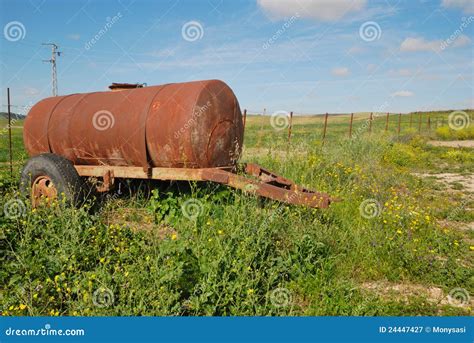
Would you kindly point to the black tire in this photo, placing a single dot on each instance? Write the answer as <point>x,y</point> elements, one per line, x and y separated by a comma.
<point>61,172</point>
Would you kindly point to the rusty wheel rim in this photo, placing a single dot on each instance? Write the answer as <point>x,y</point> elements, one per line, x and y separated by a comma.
<point>43,189</point>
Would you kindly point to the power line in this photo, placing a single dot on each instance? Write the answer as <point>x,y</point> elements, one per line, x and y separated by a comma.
<point>54,77</point>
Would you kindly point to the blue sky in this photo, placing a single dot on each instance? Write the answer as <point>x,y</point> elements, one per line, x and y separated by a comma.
<point>307,56</point>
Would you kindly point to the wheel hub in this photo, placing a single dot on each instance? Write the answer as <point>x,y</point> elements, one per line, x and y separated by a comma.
<point>43,188</point>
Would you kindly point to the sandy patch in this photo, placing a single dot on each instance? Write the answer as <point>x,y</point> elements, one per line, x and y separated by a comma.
<point>453,144</point>
<point>467,181</point>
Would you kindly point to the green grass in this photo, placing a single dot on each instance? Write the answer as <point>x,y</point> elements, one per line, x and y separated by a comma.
<point>242,256</point>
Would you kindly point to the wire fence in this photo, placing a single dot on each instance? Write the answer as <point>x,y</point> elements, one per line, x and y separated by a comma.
<point>327,127</point>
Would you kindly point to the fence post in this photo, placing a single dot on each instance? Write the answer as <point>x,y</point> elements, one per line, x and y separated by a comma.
<point>325,126</point>
<point>350,125</point>
<point>429,123</point>
<point>386,123</point>
<point>419,122</point>
<point>370,123</point>
<point>10,132</point>
<point>411,119</point>
<point>245,120</point>
<point>289,127</point>
<point>399,122</point>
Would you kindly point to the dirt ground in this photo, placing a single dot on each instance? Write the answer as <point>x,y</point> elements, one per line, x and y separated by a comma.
<point>448,179</point>
<point>453,144</point>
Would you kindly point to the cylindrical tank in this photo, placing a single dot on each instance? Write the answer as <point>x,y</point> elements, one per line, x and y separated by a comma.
<point>193,124</point>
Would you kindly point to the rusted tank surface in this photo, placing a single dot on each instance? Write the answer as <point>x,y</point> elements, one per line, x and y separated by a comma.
<point>194,124</point>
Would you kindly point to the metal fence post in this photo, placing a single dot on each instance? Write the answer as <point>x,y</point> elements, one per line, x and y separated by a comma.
<point>370,123</point>
<point>10,132</point>
<point>289,127</point>
<point>325,127</point>
<point>350,125</point>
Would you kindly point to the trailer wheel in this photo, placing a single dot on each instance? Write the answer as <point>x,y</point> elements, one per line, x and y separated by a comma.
<point>48,177</point>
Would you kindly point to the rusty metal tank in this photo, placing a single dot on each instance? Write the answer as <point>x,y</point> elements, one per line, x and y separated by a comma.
<point>193,124</point>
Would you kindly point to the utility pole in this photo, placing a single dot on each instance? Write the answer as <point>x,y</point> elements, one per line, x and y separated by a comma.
<point>54,78</point>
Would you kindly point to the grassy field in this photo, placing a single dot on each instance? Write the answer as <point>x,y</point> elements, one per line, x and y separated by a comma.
<point>399,243</point>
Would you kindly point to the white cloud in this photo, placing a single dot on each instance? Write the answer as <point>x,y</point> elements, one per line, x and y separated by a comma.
<point>324,10</point>
<point>355,50</point>
<point>466,5</point>
<point>74,36</point>
<point>412,44</point>
<point>401,72</point>
<point>30,91</point>
<point>402,94</point>
<point>462,40</point>
<point>340,71</point>
<point>371,67</point>
<point>420,44</point>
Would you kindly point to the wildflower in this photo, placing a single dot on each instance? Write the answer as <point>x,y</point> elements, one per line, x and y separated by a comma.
<point>471,248</point>
<point>399,231</point>
<point>102,260</point>
<point>250,291</point>
<point>174,236</point>
<point>220,232</point>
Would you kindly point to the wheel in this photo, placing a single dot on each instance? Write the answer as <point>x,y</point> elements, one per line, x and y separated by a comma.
<point>49,176</point>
